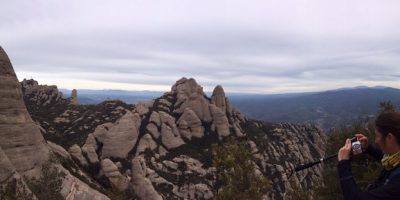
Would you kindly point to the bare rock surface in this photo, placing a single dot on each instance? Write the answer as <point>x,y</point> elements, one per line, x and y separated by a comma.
<point>118,138</point>
<point>21,139</point>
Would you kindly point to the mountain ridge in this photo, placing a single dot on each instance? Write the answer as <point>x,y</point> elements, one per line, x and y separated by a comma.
<point>158,149</point>
<point>177,127</point>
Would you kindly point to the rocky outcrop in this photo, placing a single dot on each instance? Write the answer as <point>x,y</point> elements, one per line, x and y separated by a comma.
<point>281,147</point>
<point>218,98</point>
<point>162,149</point>
<point>197,191</point>
<point>59,150</point>
<point>42,95</point>
<point>62,122</point>
<point>74,97</point>
<point>190,125</point>
<point>110,170</point>
<point>190,95</point>
<point>220,122</point>
<point>119,138</point>
<point>21,139</point>
<point>146,142</point>
<point>142,185</point>
<point>23,150</point>
<point>153,129</point>
<point>155,118</point>
<point>170,139</point>
<point>170,135</point>
<point>76,152</point>
<point>90,148</point>
<point>143,107</point>
<point>75,189</point>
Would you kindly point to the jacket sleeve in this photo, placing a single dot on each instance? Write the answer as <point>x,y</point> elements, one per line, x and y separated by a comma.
<point>375,152</point>
<point>351,191</point>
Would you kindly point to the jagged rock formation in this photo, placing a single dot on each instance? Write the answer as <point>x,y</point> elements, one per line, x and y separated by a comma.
<point>62,121</point>
<point>42,95</point>
<point>119,138</point>
<point>76,152</point>
<point>277,147</point>
<point>23,150</point>
<point>140,183</point>
<point>90,148</point>
<point>111,171</point>
<point>190,125</point>
<point>161,149</point>
<point>190,95</point>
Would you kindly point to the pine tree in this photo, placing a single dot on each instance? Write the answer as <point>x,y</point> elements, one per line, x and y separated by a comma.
<point>236,175</point>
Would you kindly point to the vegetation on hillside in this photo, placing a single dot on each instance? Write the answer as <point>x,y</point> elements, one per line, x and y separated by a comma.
<point>236,172</point>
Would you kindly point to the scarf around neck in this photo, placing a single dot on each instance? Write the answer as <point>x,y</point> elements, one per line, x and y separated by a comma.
<point>392,161</point>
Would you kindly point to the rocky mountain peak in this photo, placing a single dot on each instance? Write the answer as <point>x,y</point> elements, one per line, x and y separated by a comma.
<point>218,98</point>
<point>188,94</point>
<point>218,91</point>
<point>21,139</point>
<point>187,87</point>
<point>5,64</point>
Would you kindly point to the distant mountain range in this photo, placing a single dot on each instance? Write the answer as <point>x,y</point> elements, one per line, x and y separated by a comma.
<point>326,108</point>
<point>97,96</point>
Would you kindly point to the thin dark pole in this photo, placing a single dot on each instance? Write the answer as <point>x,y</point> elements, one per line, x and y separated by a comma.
<point>308,165</point>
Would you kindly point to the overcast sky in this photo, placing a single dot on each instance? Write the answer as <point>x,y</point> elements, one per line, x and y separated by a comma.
<point>245,46</point>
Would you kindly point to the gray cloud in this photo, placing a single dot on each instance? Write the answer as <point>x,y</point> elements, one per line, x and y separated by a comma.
<point>257,46</point>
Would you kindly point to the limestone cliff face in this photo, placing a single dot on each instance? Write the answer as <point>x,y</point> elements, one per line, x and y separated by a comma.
<point>161,149</point>
<point>21,139</point>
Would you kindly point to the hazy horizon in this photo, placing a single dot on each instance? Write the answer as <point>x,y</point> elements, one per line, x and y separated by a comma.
<point>209,91</point>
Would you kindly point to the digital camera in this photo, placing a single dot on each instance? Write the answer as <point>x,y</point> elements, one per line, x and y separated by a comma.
<point>356,146</point>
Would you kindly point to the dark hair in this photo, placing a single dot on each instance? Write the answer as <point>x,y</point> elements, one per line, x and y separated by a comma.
<point>389,122</point>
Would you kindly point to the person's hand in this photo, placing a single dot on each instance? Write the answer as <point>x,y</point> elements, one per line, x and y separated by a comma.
<point>363,140</point>
<point>344,152</point>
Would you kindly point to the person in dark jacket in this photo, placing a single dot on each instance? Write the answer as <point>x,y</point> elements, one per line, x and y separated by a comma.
<point>386,149</point>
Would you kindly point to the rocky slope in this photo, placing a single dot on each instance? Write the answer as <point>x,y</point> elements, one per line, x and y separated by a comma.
<point>62,119</point>
<point>161,149</point>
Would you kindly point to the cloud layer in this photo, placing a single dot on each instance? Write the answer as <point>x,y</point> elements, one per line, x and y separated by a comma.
<point>246,46</point>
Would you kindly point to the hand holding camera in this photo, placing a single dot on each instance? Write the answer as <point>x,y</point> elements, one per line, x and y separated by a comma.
<point>363,140</point>
<point>344,152</point>
<point>353,146</point>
